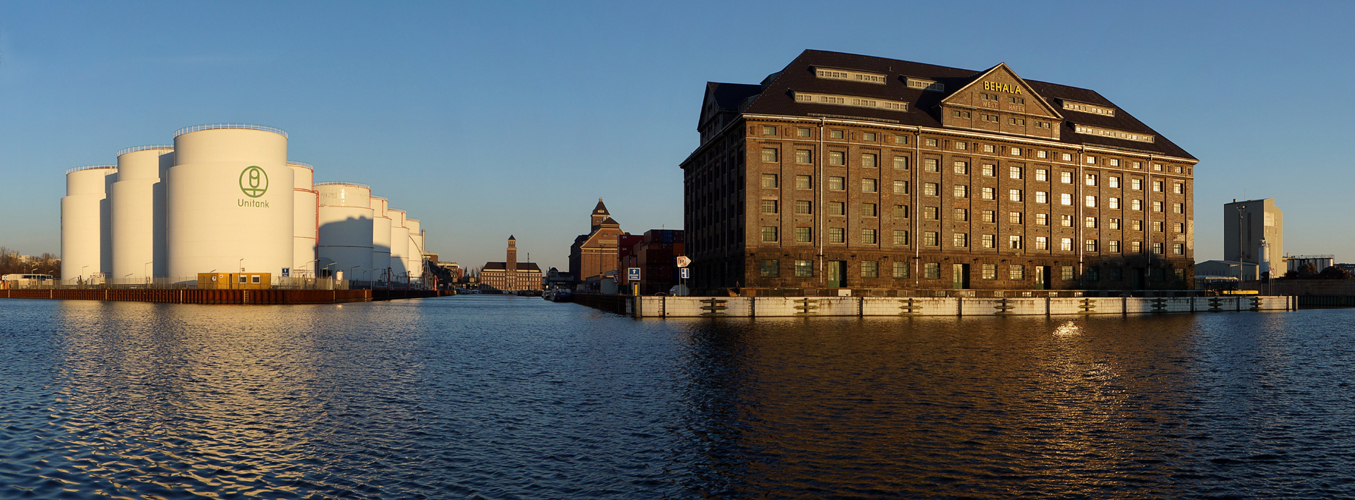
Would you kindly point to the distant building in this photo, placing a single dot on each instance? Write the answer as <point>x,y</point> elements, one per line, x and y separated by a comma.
<point>1226,269</point>
<point>594,253</point>
<point>511,275</point>
<point>1319,262</point>
<point>1255,220</point>
<point>655,254</point>
<point>556,279</point>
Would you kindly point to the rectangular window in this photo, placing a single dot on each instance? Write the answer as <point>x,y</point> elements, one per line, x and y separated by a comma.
<point>1113,246</point>
<point>1067,157</point>
<point>1014,195</point>
<point>769,234</point>
<point>1113,182</point>
<point>804,235</point>
<point>870,185</point>
<point>1178,188</point>
<point>837,208</point>
<point>1017,151</point>
<point>804,269</point>
<point>836,183</point>
<point>1091,222</point>
<point>961,240</point>
<point>961,215</point>
<point>835,134</point>
<point>1066,177</point>
<point>900,139</point>
<point>1015,172</point>
<point>989,241</point>
<point>930,188</point>
<point>870,269</point>
<point>802,132</point>
<point>989,148</point>
<point>768,130</point>
<point>1066,199</point>
<point>1091,160</point>
<point>1114,162</point>
<point>961,145</point>
<point>1041,197</point>
<point>900,237</point>
<point>768,155</point>
<point>1042,154</point>
<point>931,213</point>
<point>930,142</point>
<point>962,167</point>
<point>1157,186</point>
<point>804,156</point>
<point>931,271</point>
<point>1041,174</point>
<point>868,160</point>
<point>961,191</point>
<point>768,206</point>
<point>900,187</point>
<point>989,170</point>
<point>931,238</point>
<point>1090,275</point>
<point>1066,220</point>
<point>1041,243</point>
<point>1042,219</point>
<point>769,180</point>
<point>1135,204</point>
<point>1157,226</point>
<point>1091,202</point>
<point>868,236</point>
<point>901,162</point>
<point>1067,274</point>
<point>1136,225</point>
<point>1066,244</point>
<point>1157,248</point>
<point>1136,184</point>
<point>1136,246</point>
<point>1017,272</point>
<point>804,207</point>
<point>1178,208</point>
<point>990,271</point>
<point>868,136</point>
<point>1014,242</point>
<point>1014,217</point>
<point>1157,206</point>
<point>1179,249</point>
<point>988,193</point>
<point>900,270</point>
<point>804,182</point>
<point>1112,223</point>
<point>837,158</point>
<point>901,211</point>
<point>771,268</point>
<point>869,210</point>
<point>990,216</point>
<point>1180,227</point>
<point>931,165</point>
<point>1091,179</point>
<point>837,235</point>
<point>1091,245</point>
<point>1113,203</point>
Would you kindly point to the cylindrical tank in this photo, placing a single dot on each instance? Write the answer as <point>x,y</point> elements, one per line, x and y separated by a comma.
<point>381,238</point>
<point>414,258</point>
<point>230,201</point>
<point>137,203</point>
<point>306,220</point>
<point>83,222</point>
<point>399,244</point>
<point>346,229</point>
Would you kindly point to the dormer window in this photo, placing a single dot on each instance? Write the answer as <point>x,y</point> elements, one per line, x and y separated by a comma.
<point>928,85</point>
<point>849,75</point>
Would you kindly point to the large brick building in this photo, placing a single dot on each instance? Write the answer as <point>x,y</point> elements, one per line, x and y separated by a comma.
<point>594,253</point>
<point>850,171</point>
<point>511,275</point>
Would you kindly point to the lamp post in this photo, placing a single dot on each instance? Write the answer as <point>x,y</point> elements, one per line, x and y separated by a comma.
<point>242,265</point>
<point>148,272</point>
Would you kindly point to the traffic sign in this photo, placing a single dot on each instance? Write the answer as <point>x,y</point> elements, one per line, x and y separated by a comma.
<point>633,274</point>
<point>684,261</point>
<point>686,273</point>
<point>286,271</point>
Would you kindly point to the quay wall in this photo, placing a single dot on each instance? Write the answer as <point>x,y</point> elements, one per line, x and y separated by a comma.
<point>194,296</point>
<point>677,307</point>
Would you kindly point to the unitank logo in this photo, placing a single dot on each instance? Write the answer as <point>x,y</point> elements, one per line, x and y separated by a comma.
<point>254,181</point>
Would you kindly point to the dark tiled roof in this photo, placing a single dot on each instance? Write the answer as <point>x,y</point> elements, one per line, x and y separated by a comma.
<point>778,99</point>
<point>610,222</point>
<point>600,208</point>
<point>729,95</point>
<point>522,266</point>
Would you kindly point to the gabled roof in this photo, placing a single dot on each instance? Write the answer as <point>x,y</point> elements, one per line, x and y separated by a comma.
<point>1003,68</point>
<point>610,222</point>
<point>777,98</point>
<point>600,209</point>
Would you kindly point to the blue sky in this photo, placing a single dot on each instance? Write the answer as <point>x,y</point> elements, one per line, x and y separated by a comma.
<point>485,119</point>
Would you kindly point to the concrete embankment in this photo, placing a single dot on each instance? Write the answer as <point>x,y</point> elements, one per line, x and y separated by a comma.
<point>676,307</point>
<point>193,296</point>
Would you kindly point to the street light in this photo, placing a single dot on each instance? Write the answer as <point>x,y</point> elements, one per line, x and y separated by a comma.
<point>242,265</point>
<point>148,272</point>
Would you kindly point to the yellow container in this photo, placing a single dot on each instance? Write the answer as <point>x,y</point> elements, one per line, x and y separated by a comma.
<point>235,281</point>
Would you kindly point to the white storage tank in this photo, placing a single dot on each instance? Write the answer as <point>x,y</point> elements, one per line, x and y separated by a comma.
<point>84,222</point>
<point>399,245</point>
<point>137,203</point>
<point>230,201</point>
<point>345,242</point>
<point>414,257</point>
<point>306,220</point>
<point>381,238</point>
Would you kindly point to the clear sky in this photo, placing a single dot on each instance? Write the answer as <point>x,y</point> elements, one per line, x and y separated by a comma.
<point>485,119</point>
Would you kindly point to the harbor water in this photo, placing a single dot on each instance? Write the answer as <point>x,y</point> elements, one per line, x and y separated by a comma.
<point>513,397</point>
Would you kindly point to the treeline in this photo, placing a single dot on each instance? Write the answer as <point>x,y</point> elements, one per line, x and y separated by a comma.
<point>1309,271</point>
<point>11,263</point>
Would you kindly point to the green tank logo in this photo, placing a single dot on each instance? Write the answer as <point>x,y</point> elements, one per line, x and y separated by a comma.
<point>254,182</point>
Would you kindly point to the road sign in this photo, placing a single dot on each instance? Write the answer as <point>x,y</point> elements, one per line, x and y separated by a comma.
<point>632,274</point>
<point>686,273</point>
<point>684,261</point>
<point>286,271</point>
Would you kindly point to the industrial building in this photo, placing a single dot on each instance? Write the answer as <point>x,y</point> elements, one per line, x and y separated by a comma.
<point>225,199</point>
<point>1253,231</point>
<point>594,254</point>
<point>846,171</point>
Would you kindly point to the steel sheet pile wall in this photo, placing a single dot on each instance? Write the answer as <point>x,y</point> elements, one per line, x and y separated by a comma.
<point>230,202</point>
<point>137,202</point>
<point>345,228</point>
<point>306,222</point>
<point>381,238</point>
<point>83,222</point>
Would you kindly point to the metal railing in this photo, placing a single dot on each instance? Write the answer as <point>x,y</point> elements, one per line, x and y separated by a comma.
<point>88,167</point>
<point>215,126</point>
<point>134,149</point>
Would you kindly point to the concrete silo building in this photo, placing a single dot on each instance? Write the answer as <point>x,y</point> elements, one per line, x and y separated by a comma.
<point>345,228</point>
<point>230,201</point>
<point>414,257</point>
<point>306,219</point>
<point>399,245</point>
<point>85,222</point>
<point>381,239</point>
<point>137,206</point>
